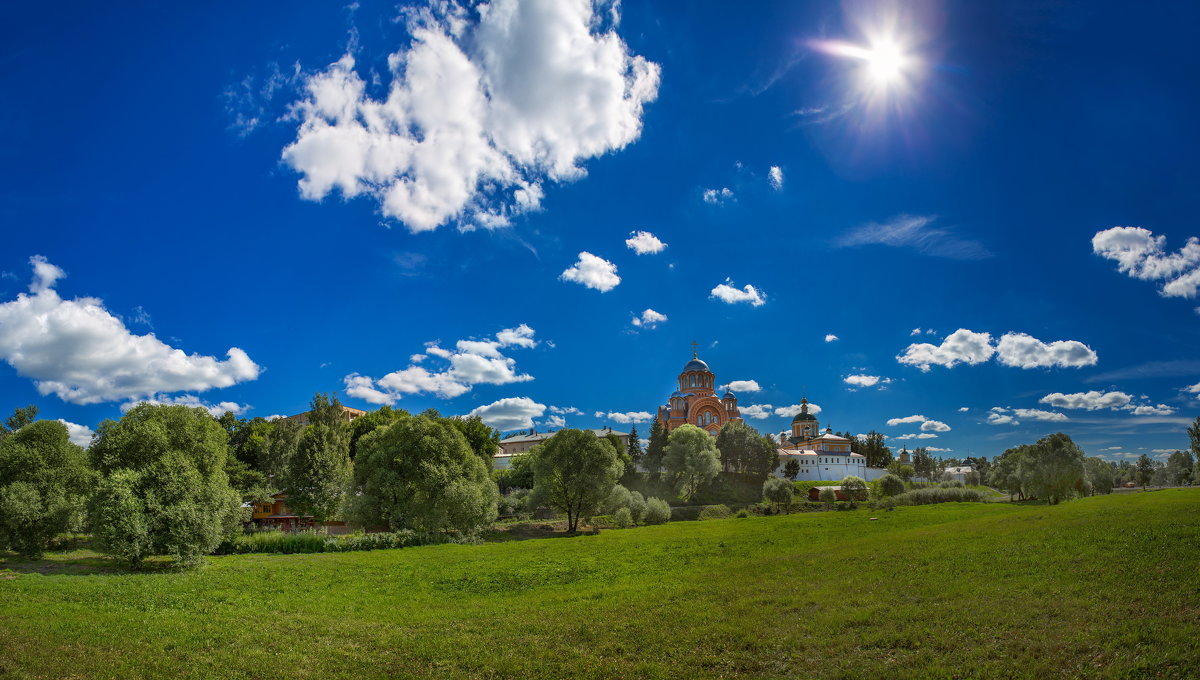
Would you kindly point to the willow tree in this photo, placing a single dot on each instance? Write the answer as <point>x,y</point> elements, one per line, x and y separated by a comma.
<point>575,471</point>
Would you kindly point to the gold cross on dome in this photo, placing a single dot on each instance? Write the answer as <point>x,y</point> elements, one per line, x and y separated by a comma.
<point>694,345</point>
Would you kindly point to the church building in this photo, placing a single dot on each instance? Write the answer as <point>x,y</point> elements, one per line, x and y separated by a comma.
<point>696,402</point>
<point>821,456</point>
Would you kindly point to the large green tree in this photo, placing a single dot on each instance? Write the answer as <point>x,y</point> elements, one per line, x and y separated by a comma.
<point>634,450</point>
<point>744,451</point>
<point>371,421</point>
<point>923,464</point>
<point>21,417</point>
<point>1179,468</point>
<point>319,471</point>
<point>1145,470</point>
<point>871,446</point>
<point>44,484</point>
<point>574,471</point>
<point>691,460</point>
<point>278,447</point>
<point>1059,467</point>
<point>421,473</point>
<point>163,489</point>
<point>483,439</point>
<point>1099,475</point>
<point>656,448</point>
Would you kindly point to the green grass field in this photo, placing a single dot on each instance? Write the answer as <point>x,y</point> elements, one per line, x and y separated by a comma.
<point>1100,587</point>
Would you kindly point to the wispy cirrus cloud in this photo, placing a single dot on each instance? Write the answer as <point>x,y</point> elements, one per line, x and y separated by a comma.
<point>915,232</point>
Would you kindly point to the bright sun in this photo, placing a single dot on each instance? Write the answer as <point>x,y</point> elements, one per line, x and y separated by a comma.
<point>885,63</point>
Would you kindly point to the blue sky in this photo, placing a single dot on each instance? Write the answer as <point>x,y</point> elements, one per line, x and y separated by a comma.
<point>333,189</point>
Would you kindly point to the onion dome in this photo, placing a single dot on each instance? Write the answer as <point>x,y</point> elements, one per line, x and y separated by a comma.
<point>729,395</point>
<point>803,415</point>
<point>696,365</point>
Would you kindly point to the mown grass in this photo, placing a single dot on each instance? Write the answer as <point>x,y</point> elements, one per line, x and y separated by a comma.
<point>1100,587</point>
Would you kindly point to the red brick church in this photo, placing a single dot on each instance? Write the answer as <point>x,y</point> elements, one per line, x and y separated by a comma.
<point>696,402</point>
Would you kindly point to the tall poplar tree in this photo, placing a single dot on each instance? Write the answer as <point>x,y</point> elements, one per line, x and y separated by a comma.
<point>319,471</point>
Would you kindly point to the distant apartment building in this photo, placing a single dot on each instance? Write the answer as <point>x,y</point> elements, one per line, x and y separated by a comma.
<point>518,444</point>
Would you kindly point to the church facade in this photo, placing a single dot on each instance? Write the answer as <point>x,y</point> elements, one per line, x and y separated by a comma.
<point>695,402</point>
<point>822,457</point>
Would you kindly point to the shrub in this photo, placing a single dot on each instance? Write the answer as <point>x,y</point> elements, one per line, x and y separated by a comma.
<point>828,496</point>
<point>657,511</point>
<point>934,495</point>
<point>618,498</point>
<point>954,484</point>
<point>891,485</point>
<point>637,507</point>
<point>742,514</point>
<point>623,518</point>
<point>854,488</point>
<point>715,512</point>
<point>778,490</point>
<point>316,541</point>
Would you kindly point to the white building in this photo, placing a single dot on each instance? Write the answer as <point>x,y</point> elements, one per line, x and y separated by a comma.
<point>822,457</point>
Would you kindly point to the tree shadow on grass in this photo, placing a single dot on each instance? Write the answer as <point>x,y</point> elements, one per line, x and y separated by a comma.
<point>78,562</point>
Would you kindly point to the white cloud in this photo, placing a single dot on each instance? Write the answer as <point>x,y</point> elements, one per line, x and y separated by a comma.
<point>80,435</point>
<point>565,410</point>
<point>510,413</point>
<point>628,417</point>
<point>1039,415</point>
<point>274,416</point>
<point>594,272</point>
<point>727,293</point>
<point>923,435</point>
<point>1001,416</point>
<point>556,421</point>
<point>865,380</point>
<point>649,319</point>
<point>892,422</point>
<point>960,347</point>
<point>791,411</point>
<point>1148,410</point>
<point>756,411</point>
<point>744,386</point>
<point>643,242</point>
<point>1167,451</point>
<point>1142,255</point>
<point>937,449</point>
<point>192,401</point>
<point>1024,351</point>
<point>1013,349</point>
<point>831,338</point>
<point>472,362</point>
<point>477,116</point>
<point>915,232</point>
<point>964,409</point>
<point>1090,401</point>
<point>1192,389</point>
<point>80,352</point>
<point>717,196</point>
<point>775,176</point>
<point>934,426</point>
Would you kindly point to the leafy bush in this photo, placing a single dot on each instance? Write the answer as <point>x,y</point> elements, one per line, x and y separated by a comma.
<point>637,507</point>
<point>715,512</point>
<point>777,490</point>
<point>315,541</point>
<point>934,495</point>
<point>890,485</point>
<point>827,495</point>
<point>953,484</point>
<point>742,514</point>
<point>623,518</point>
<point>854,488</point>
<point>618,498</point>
<point>657,511</point>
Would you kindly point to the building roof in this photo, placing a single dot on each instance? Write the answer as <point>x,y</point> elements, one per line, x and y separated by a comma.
<point>541,436</point>
<point>696,365</point>
<point>729,395</point>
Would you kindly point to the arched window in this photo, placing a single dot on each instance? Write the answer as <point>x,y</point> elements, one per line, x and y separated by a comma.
<point>693,381</point>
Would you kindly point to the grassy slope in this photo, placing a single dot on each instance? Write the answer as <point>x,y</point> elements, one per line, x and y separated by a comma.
<point>1106,586</point>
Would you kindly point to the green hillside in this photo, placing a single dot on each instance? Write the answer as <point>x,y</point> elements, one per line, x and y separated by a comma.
<point>1100,587</point>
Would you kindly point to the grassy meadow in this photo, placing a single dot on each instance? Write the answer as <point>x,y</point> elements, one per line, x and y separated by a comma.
<point>1100,587</point>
